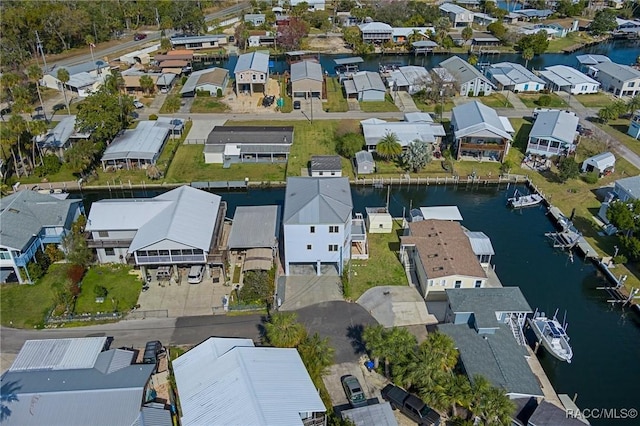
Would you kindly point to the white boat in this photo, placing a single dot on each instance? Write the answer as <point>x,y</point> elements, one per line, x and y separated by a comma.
<point>520,200</point>
<point>552,335</point>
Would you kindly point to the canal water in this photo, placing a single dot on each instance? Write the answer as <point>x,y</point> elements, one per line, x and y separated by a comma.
<point>606,340</point>
<point>620,51</point>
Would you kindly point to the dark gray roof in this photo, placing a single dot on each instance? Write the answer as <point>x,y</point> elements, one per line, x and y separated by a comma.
<point>548,414</point>
<point>254,227</point>
<point>618,71</point>
<point>325,163</point>
<point>312,200</point>
<point>497,357</point>
<point>462,70</point>
<point>630,185</point>
<point>349,61</point>
<point>251,135</point>
<point>485,302</point>
<point>306,69</point>
<point>25,213</point>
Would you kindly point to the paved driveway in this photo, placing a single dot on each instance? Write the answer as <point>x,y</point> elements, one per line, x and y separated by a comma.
<point>342,323</point>
<point>396,306</point>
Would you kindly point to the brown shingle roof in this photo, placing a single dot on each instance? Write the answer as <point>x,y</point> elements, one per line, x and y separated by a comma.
<point>444,249</point>
<point>173,63</point>
<point>217,77</point>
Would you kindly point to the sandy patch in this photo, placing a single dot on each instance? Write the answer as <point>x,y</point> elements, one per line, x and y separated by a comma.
<point>328,44</point>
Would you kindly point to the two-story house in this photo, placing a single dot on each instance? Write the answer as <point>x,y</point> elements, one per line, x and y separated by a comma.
<point>621,80</point>
<point>553,133</point>
<point>479,133</point>
<point>31,220</point>
<point>317,224</point>
<point>470,80</point>
<point>376,32</point>
<point>252,72</point>
<point>459,16</point>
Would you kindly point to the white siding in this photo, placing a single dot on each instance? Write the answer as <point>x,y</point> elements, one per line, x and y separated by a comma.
<point>371,95</point>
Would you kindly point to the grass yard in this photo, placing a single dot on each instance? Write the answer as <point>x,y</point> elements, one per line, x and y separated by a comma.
<point>618,129</point>
<point>531,100</point>
<point>63,175</point>
<point>495,100</point>
<point>336,101</point>
<point>595,100</point>
<point>123,289</point>
<point>431,107</point>
<point>288,103</point>
<point>379,106</point>
<point>383,266</point>
<point>558,45</point>
<point>205,104</point>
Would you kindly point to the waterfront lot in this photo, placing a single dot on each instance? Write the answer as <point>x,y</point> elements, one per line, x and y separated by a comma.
<point>618,129</point>
<point>531,100</point>
<point>336,101</point>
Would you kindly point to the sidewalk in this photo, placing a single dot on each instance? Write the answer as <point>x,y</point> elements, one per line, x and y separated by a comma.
<point>404,102</point>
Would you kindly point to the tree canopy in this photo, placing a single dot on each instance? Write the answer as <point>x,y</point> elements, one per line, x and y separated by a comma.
<point>389,146</point>
<point>417,155</point>
<point>603,22</point>
<point>537,42</point>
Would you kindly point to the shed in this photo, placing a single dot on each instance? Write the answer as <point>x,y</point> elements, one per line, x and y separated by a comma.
<point>365,163</point>
<point>379,220</point>
<point>326,166</point>
<point>602,163</point>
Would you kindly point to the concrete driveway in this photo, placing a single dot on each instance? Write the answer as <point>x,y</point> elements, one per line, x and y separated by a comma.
<point>200,129</point>
<point>371,383</point>
<point>304,290</point>
<point>396,306</point>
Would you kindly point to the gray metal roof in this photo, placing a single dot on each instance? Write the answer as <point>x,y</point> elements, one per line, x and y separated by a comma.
<point>462,70</point>
<point>410,75</point>
<point>194,79</point>
<point>374,130</point>
<point>497,357</point>
<point>418,117</point>
<point>480,243</point>
<point>534,13</point>
<point>271,135</point>
<point>312,200</point>
<point>441,213</point>
<point>619,72</point>
<point>508,73</point>
<point>326,163</point>
<point>631,185</point>
<point>560,125</point>
<point>349,61</point>
<point>474,117</point>
<point>255,61</point>
<point>562,75</point>
<point>424,43</point>
<point>58,354</point>
<point>59,135</point>
<point>306,69</point>
<point>79,68</point>
<point>231,382</point>
<point>142,143</point>
<point>24,214</point>
<point>367,80</point>
<point>485,302</point>
<point>378,414</point>
<point>453,8</point>
<point>349,87</point>
<point>254,227</point>
<point>375,27</point>
<point>602,160</point>
<point>197,39</point>
<point>154,414</point>
<point>592,59</point>
<point>364,157</point>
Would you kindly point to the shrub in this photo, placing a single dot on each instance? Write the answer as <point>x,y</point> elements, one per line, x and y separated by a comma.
<point>53,253</point>
<point>203,93</point>
<point>100,291</point>
<point>591,177</point>
<point>544,100</point>
<point>51,165</point>
<point>184,80</point>
<point>470,94</point>
<point>75,273</point>
<point>35,271</point>
<point>481,93</point>
<point>153,117</point>
<point>620,259</point>
<point>219,92</point>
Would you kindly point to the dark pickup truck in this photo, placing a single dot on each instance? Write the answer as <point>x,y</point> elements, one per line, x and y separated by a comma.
<point>410,405</point>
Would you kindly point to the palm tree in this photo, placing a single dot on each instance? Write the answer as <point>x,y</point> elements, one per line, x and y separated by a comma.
<point>633,104</point>
<point>459,392</point>
<point>495,407</point>
<point>64,77</point>
<point>527,55</point>
<point>479,387</point>
<point>146,84</point>
<point>9,81</point>
<point>34,73</point>
<point>389,146</point>
<point>419,370</point>
<point>443,349</point>
<point>284,331</point>
<point>16,127</point>
<point>316,355</point>
<point>392,345</point>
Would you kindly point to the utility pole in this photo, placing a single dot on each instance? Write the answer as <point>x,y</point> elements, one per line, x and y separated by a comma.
<point>39,44</point>
<point>157,18</point>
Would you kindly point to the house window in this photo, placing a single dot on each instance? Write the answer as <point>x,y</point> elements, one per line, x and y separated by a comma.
<point>478,284</point>
<point>320,173</point>
<point>443,283</point>
<point>430,283</point>
<point>333,247</point>
<point>103,234</point>
<point>631,84</point>
<point>254,77</point>
<point>5,255</point>
<point>109,252</point>
<point>333,229</point>
<point>312,229</point>
<point>308,246</point>
<point>458,284</point>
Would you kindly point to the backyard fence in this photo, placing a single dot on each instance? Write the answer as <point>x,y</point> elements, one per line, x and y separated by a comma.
<point>157,313</point>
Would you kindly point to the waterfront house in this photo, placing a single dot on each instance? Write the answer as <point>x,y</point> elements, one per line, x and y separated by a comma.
<point>486,326</point>
<point>401,35</point>
<point>326,166</point>
<point>78,381</point>
<point>514,77</point>
<point>317,224</point>
<point>483,19</point>
<point>376,32</point>
<point>227,145</point>
<point>567,79</point>
<point>530,14</point>
<point>365,86</point>
<point>586,61</point>
<point>634,125</point>
<point>411,79</point>
<point>307,80</point>
<point>312,4</point>
<point>61,137</point>
<point>470,80</point>
<point>229,381</point>
<point>602,163</point>
<point>252,73</point>
<point>375,129</point>
<point>209,80</point>
<point>364,163</point>
<point>208,41</point>
<point>31,220</point>
<point>554,132</point>
<point>84,78</point>
<point>459,16</point>
<point>621,80</point>
<point>627,189</point>
<point>442,257</point>
<point>255,19</point>
<point>480,133</point>
<point>253,239</point>
<point>179,227</point>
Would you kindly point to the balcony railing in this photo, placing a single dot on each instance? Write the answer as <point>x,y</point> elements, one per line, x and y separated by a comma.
<point>483,146</point>
<point>91,243</point>
<point>317,419</point>
<point>166,260</point>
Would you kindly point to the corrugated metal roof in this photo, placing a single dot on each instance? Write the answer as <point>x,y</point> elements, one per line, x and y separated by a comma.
<point>508,73</point>
<point>367,80</point>
<point>562,75</point>
<point>453,8</point>
<point>306,69</point>
<point>363,157</point>
<point>441,213</point>
<point>375,27</point>
<point>123,214</point>
<point>620,72</point>
<point>630,185</point>
<point>154,414</point>
<point>58,354</point>
<point>378,414</point>
<point>418,117</point>
<point>197,39</point>
<point>592,59</point>
<point>312,200</point>
<point>230,382</point>
<point>255,226</point>
<point>59,135</point>
<point>406,132</point>
<point>462,70</point>
<point>326,163</point>
<point>143,142</point>
<point>474,117</point>
<point>480,243</point>
<point>113,360</point>
<point>349,61</point>
<point>559,125</point>
<point>255,61</point>
<point>198,77</point>
<point>602,161</point>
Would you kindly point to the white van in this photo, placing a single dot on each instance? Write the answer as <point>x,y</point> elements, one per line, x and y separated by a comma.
<point>196,274</point>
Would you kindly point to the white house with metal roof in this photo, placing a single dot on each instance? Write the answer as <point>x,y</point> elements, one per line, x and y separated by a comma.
<point>210,80</point>
<point>317,224</point>
<point>252,72</point>
<point>312,4</point>
<point>365,86</point>
<point>376,32</point>
<point>58,139</point>
<point>84,78</point>
<point>470,80</point>
<point>409,78</point>
<point>307,80</point>
<point>29,221</point>
<point>77,382</point>
<point>480,133</point>
<point>514,77</point>
<point>621,80</point>
<point>229,381</point>
<point>553,133</point>
<point>627,189</point>
<point>207,41</point>
<point>254,235</point>
<point>180,227</point>
<point>375,130</point>
<point>459,16</point>
<point>567,79</point>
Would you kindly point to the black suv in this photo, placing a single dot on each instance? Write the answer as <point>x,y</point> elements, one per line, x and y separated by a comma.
<point>151,352</point>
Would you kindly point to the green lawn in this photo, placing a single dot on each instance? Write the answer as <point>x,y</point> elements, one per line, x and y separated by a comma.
<point>203,104</point>
<point>431,107</point>
<point>571,40</point>
<point>288,103</point>
<point>123,289</point>
<point>596,100</point>
<point>618,129</point>
<point>495,100</point>
<point>336,101</point>
<point>531,100</point>
<point>383,266</point>
<point>379,106</point>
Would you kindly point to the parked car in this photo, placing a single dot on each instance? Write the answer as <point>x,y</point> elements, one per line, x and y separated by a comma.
<point>354,391</point>
<point>151,351</point>
<point>139,36</point>
<point>138,104</point>
<point>267,101</point>
<point>196,273</point>
<point>410,405</point>
<point>296,104</point>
